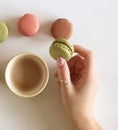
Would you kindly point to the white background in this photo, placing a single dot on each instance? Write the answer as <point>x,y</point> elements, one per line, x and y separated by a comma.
<point>95,27</point>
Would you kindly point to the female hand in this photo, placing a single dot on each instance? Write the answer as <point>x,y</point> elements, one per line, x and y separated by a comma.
<point>79,82</point>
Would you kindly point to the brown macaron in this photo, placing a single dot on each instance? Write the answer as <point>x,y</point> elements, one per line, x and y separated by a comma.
<point>62,28</point>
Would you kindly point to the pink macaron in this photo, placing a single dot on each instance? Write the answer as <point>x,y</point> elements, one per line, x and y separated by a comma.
<point>28,25</point>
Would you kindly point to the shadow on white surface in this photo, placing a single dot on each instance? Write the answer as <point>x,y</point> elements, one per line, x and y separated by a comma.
<point>12,26</point>
<point>45,28</point>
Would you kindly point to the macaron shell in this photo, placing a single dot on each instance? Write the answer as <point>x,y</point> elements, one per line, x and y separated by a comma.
<point>66,43</point>
<point>28,25</point>
<point>58,50</point>
<point>62,28</point>
<point>3,31</point>
<point>61,48</point>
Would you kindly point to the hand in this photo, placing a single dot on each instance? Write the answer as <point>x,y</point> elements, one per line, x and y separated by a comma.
<point>79,83</point>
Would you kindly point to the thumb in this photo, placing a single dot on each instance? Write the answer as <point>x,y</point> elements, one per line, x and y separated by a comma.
<point>63,72</point>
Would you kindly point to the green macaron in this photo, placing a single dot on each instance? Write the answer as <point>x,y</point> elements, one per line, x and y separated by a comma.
<point>3,31</point>
<point>61,48</point>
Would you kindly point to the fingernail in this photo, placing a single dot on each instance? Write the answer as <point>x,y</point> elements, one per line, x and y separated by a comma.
<point>60,62</point>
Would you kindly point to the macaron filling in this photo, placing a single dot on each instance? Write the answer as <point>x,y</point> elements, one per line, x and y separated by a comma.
<point>65,43</point>
<point>63,46</point>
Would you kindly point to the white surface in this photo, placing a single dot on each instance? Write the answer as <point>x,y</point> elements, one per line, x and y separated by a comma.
<point>95,27</point>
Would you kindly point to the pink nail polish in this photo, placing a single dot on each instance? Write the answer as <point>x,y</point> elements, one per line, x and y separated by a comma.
<point>60,62</point>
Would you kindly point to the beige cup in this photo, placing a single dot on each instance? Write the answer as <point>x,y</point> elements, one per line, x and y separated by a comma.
<point>26,75</point>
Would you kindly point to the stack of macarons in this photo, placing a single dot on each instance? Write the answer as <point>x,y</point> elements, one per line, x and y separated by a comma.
<point>61,30</point>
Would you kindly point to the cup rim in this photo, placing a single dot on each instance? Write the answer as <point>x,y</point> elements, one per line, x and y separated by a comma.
<point>11,87</point>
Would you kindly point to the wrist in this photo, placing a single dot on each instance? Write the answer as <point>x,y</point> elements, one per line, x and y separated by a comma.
<point>86,122</point>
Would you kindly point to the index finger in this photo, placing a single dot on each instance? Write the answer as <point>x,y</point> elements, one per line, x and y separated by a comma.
<point>82,51</point>
<point>87,55</point>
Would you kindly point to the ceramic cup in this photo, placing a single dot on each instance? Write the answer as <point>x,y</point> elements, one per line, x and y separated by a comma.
<point>26,75</point>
